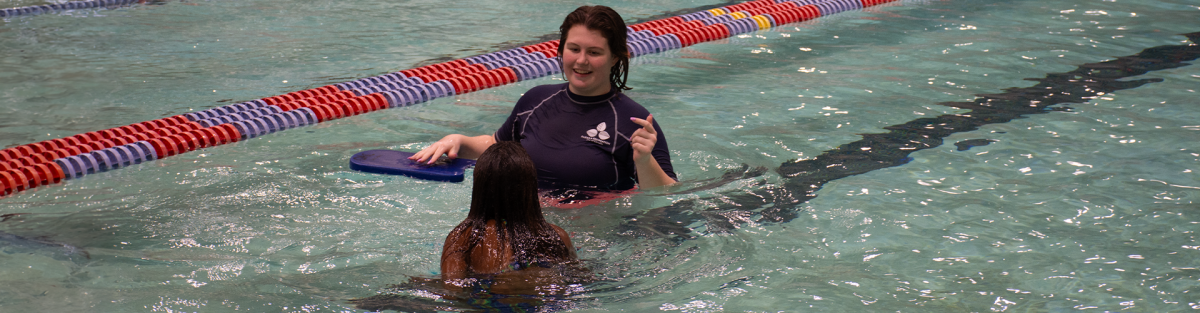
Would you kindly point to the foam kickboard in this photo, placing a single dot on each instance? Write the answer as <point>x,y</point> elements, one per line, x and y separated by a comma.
<point>394,162</point>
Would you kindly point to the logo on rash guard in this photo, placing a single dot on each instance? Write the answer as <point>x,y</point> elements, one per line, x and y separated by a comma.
<point>597,135</point>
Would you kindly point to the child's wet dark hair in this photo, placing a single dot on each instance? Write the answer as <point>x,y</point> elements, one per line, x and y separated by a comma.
<point>506,191</point>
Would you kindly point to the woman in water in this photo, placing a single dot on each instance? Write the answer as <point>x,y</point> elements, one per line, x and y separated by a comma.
<point>504,231</point>
<point>585,134</point>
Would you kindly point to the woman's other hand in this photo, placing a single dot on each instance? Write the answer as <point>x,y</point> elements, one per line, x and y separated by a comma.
<point>644,139</point>
<point>650,174</point>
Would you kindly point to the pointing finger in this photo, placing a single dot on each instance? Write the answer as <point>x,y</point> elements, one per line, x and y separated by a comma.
<point>647,124</point>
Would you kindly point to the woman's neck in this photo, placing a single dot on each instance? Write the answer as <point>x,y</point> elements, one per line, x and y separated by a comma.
<point>583,99</point>
<point>591,93</point>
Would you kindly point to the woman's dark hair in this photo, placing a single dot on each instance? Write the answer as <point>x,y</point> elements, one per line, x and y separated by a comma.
<point>506,191</point>
<point>610,25</point>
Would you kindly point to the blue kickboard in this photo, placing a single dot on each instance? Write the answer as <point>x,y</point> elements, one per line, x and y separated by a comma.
<point>397,163</point>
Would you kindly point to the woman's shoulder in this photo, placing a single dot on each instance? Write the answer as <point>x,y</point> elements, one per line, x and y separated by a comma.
<point>537,95</point>
<point>546,89</point>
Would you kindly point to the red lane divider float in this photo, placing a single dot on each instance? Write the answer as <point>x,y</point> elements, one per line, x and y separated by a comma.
<point>49,162</point>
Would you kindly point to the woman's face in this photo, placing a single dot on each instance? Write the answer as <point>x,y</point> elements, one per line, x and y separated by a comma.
<point>587,61</point>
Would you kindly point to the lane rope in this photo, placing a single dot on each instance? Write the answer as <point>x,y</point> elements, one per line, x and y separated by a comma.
<point>49,162</point>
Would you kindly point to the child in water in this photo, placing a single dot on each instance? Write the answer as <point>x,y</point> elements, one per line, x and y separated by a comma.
<point>505,231</point>
<point>504,251</point>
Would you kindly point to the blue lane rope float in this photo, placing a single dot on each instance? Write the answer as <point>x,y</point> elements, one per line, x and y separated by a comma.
<point>49,162</point>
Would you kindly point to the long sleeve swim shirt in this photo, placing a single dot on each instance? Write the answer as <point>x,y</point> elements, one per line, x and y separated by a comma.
<point>578,141</point>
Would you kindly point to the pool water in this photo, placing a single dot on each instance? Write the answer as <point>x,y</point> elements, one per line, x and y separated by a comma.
<point>1088,206</point>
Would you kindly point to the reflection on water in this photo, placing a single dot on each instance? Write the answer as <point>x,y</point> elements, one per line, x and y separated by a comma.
<point>1070,208</point>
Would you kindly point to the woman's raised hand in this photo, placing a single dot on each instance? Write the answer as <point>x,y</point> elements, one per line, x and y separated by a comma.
<point>650,174</point>
<point>644,139</point>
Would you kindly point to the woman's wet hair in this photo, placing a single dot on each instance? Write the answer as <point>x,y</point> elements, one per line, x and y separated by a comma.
<point>506,191</point>
<point>610,25</point>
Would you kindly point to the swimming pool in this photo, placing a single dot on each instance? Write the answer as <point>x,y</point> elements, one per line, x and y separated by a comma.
<point>1084,208</point>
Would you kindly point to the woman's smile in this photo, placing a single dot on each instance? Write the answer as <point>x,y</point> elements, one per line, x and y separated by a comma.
<point>588,61</point>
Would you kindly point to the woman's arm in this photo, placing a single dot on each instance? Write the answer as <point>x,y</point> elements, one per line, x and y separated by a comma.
<point>650,174</point>
<point>454,146</point>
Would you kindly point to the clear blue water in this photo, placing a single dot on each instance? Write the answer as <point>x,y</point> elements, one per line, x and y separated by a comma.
<point>1088,208</point>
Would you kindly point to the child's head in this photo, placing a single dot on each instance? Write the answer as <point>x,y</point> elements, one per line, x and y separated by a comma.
<point>505,185</point>
<point>506,192</point>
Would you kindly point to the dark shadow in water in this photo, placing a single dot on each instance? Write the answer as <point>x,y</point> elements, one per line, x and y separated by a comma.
<point>803,178</point>
<point>971,143</point>
<point>13,244</point>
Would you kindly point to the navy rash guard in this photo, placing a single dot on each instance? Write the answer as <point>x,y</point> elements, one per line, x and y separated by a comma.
<point>580,142</point>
